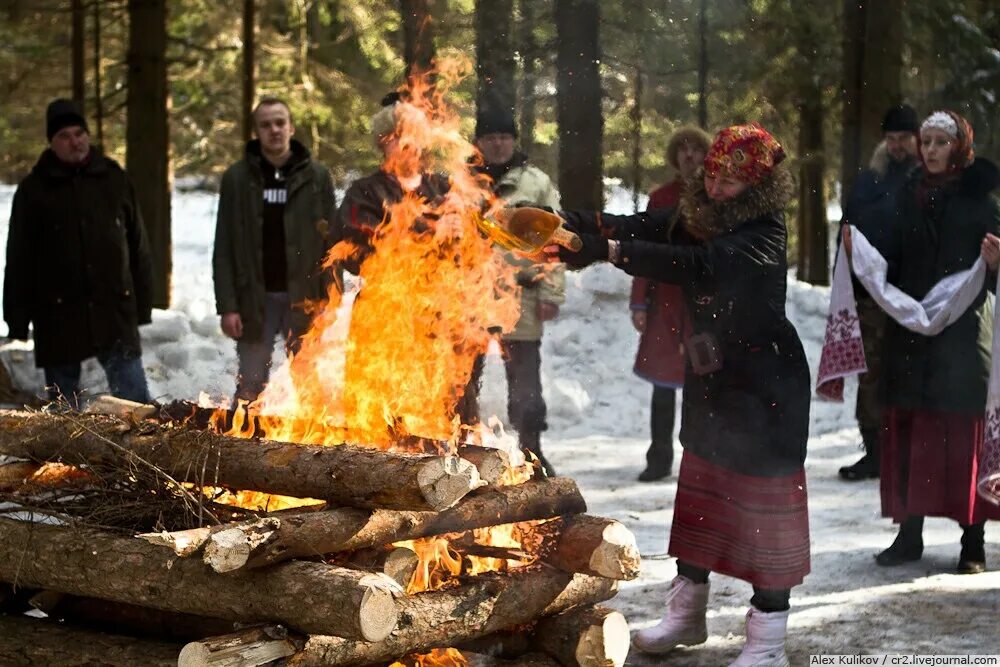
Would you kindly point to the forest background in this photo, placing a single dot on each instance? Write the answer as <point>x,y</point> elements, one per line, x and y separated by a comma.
<point>597,86</point>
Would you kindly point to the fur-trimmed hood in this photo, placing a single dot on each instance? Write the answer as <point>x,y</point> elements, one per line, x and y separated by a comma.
<point>880,160</point>
<point>705,219</point>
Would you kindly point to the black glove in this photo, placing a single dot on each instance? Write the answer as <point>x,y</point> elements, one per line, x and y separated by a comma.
<point>595,249</point>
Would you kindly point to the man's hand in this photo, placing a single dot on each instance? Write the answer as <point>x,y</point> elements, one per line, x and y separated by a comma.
<point>232,325</point>
<point>595,249</point>
<point>547,311</point>
<point>990,251</point>
<point>639,320</point>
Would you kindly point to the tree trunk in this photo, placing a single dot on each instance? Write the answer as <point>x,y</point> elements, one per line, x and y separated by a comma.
<point>852,100</point>
<point>307,534</point>
<point>79,38</point>
<point>578,104</point>
<point>309,597</point>
<point>249,79</point>
<point>529,72</point>
<point>342,474</point>
<point>28,641</point>
<point>418,36</point>
<point>584,637</point>
<point>487,604</point>
<point>814,251</point>
<point>636,117</point>
<point>147,134</point>
<point>98,92</point>
<point>703,65</point>
<point>883,68</point>
<point>593,545</point>
<point>495,55</point>
<point>246,648</point>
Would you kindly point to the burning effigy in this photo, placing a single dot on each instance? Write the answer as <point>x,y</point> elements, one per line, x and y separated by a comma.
<point>348,516</point>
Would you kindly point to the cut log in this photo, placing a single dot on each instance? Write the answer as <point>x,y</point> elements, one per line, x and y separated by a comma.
<point>309,597</point>
<point>343,475</point>
<point>487,604</point>
<point>131,619</point>
<point>246,648</point>
<point>492,463</point>
<point>119,407</point>
<point>37,642</point>
<point>313,533</point>
<point>593,545</point>
<point>587,637</point>
<point>397,563</point>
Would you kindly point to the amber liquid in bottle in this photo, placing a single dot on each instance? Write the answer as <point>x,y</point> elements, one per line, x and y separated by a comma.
<point>528,230</point>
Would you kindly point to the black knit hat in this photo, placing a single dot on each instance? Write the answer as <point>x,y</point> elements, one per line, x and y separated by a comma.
<point>495,121</point>
<point>902,118</point>
<point>63,113</point>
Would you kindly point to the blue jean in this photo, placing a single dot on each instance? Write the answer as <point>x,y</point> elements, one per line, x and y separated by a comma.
<point>126,377</point>
<point>255,355</point>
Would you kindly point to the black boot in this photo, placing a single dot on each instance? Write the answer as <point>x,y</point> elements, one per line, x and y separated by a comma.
<point>660,455</point>
<point>867,467</point>
<point>908,545</point>
<point>532,442</point>
<point>972,560</point>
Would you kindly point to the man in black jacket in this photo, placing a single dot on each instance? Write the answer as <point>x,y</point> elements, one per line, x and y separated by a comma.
<point>275,225</point>
<point>78,263</point>
<point>872,209</point>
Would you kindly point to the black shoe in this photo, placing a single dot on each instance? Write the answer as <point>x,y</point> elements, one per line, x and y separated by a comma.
<point>651,474</point>
<point>972,560</point>
<point>865,468</point>
<point>908,545</point>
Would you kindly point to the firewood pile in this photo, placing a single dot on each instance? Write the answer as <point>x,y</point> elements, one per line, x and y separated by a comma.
<point>379,558</point>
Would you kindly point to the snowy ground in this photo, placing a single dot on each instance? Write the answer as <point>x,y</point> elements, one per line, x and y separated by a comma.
<point>598,414</point>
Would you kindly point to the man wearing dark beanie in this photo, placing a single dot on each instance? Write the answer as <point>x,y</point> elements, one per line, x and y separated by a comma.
<point>871,208</point>
<point>542,288</point>
<point>78,269</point>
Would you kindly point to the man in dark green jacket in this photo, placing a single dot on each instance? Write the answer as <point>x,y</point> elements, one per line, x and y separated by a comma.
<point>275,225</point>
<point>78,263</point>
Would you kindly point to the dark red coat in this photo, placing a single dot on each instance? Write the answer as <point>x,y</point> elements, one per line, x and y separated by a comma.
<point>660,357</point>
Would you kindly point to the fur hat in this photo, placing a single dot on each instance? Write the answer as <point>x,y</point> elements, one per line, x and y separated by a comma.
<point>62,113</point>
<point>747,152</point>
<point>687,134</point>
<point>902,118</point>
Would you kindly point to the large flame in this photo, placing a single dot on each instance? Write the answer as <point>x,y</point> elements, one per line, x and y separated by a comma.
<point>394,366</point>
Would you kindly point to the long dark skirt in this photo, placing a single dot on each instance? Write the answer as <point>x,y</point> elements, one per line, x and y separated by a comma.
<point>751,528</point>
<point>930,461</point>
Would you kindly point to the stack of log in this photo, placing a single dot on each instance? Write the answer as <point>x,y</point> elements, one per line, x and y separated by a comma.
<point>317,585</point>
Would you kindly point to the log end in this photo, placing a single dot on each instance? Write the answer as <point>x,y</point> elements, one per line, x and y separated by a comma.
<point>606,644</point>
<point>445,480</point>
<point>400,565</point>
<point>378,611</point>
<point>617,557</point>
<point>183,542</point>
<point>231,548</point>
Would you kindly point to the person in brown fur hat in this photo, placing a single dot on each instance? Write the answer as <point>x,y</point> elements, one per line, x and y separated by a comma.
<point>741,507</point>
<point>658,314</point>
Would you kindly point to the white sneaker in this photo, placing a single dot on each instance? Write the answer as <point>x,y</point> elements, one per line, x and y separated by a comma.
<point>684,622</point>
<point>765,644</point>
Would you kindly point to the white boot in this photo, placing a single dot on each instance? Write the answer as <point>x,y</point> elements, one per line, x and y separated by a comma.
<point>765,645</point>
<point>684,622</point>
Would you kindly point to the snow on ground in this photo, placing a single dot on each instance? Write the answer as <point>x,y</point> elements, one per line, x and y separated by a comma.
<point>599,415</point>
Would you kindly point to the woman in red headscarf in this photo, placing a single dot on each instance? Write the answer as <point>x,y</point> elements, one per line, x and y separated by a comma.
<point>741,493</point>
<point>936,386</point>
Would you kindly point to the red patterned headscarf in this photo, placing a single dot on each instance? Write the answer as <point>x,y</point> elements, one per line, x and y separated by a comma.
<point>746,152</point>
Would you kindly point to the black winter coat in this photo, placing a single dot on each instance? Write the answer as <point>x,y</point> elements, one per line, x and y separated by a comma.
<point>752,414</point>
<point>937,236</point>
<point>78,261</point>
